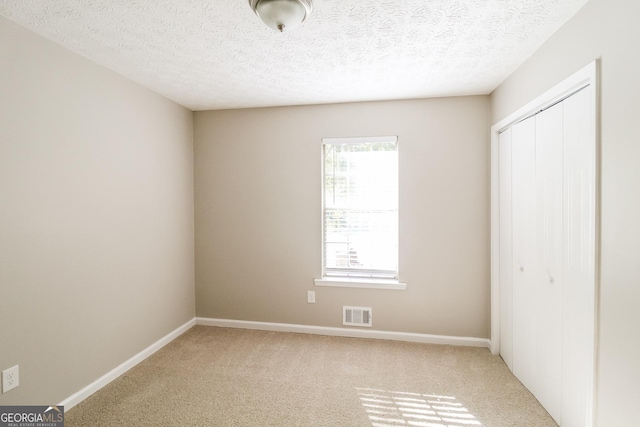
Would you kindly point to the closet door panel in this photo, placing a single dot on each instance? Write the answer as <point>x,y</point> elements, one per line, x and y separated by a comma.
<point>548,263</point>
<point>506,255</point>
<point>579,258</point>
<point>524,243</point>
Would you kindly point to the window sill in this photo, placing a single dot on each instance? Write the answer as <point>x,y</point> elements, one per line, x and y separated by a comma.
<point>344,282</point>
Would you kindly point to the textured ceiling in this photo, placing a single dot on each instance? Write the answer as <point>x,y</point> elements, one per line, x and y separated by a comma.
<point>217,54</point>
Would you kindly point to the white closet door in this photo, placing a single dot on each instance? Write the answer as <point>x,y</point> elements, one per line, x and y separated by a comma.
<point>523,155</point>
<point>579,259</point>
<point>548,264</point>
<point>506,254</point>
<point>548,240</point>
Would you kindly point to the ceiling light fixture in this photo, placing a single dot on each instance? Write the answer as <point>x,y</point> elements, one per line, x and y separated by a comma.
<point>282,14</point>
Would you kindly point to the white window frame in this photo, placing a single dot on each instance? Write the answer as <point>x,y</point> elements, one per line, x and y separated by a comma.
<point>353,282</point>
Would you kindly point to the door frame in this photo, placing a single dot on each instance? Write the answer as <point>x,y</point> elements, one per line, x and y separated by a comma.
<point>587,77</point>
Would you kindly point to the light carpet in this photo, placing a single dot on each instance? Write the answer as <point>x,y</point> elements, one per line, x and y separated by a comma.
<point>213,376</point>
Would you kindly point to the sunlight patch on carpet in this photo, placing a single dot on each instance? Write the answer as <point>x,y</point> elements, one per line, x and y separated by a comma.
<point>396,408</point>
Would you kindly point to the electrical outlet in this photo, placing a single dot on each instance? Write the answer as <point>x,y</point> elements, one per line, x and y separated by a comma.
<point>10,378</point>
<point>311,297</point>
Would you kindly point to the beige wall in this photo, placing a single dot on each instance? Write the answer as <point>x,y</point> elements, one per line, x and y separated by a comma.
<point>96,218</point>
<point>609,30</point>
<point>258,214</point>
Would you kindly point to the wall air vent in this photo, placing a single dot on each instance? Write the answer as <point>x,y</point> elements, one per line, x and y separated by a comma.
<point>356,316</point>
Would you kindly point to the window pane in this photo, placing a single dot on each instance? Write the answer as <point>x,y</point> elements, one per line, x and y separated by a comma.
<point>361,209</point>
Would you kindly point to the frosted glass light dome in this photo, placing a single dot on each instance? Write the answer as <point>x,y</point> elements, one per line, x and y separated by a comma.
<point>282,14</point>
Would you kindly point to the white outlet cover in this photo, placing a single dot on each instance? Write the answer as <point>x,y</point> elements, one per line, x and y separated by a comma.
<point>311,297</point>
<point>10,378</point>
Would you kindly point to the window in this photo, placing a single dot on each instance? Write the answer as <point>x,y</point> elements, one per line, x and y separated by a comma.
<point>360,210</point>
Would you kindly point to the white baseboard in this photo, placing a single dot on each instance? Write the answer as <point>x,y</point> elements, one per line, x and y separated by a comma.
<point>79,396</point>
<point>346,332</point>
<point>87,391</point>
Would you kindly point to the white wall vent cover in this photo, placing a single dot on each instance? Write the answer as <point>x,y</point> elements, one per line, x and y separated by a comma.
<point>356,316</point>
